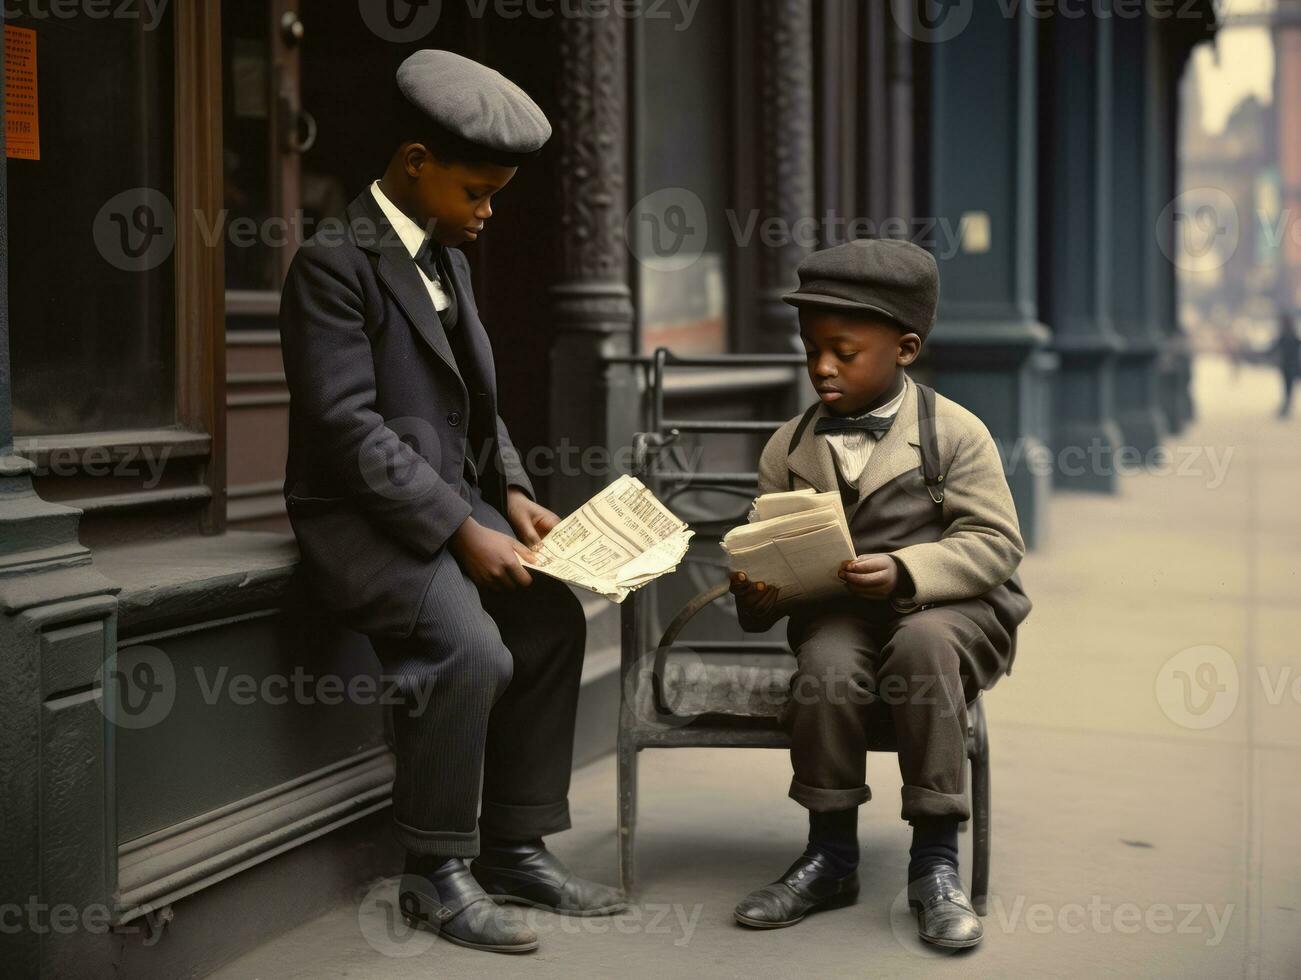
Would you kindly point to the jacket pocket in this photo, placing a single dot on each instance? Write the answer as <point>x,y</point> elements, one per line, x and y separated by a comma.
<point>306,504</point>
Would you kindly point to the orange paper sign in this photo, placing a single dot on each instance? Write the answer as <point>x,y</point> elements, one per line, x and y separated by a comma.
<point>22,118</point>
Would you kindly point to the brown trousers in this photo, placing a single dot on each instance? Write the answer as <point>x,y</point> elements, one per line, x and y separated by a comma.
<point>862,665</point>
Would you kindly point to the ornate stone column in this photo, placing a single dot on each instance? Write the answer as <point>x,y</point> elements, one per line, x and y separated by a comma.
<point>1076,234</point>
<point>591,306</point>
<point>785,158</point>
<point>1138,149</point>
<point>987,349</point>
<point>1174,359</point>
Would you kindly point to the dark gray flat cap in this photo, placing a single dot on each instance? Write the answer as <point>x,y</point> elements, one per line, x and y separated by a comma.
<point>876,276</point>
<point>473,102</point>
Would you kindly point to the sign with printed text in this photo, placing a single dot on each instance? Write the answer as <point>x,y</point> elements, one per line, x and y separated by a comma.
<point>22,116</point>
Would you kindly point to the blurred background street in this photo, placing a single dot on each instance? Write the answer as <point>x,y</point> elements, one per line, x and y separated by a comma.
<point>1145,757</point>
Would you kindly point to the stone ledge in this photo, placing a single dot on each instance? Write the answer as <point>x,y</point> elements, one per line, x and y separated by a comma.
<point>195,578</point>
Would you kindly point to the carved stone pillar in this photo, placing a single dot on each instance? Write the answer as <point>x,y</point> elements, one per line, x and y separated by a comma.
<point>1174,361</point>
<point>591,306</point>
<point>987,348</point>
<point>785,156</point>
<point>1138,148</point>
<point>1077,236</point>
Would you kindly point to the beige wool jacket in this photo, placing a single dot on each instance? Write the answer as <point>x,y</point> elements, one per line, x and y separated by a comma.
<point>967,547</point>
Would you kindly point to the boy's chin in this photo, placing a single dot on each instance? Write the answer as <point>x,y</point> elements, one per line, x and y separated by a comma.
<point>847,405</point>
<point>840,406</point>
<point>843,403</point>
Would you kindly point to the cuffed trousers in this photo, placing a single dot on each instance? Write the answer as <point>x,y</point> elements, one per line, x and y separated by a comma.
<point>490,688</point>
<point>861,664</point>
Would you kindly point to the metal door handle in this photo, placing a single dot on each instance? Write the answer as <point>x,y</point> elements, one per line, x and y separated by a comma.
<point>305,121</point>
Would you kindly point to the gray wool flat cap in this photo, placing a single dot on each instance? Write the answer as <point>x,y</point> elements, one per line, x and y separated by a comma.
<point>473,102</point>
<point>876,276</point>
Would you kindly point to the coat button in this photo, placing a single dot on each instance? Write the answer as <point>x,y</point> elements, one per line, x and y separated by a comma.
<point>453,418</point>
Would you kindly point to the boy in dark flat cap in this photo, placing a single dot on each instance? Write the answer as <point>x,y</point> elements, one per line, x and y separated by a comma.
<point>408,540</point>
<point>931,603</point>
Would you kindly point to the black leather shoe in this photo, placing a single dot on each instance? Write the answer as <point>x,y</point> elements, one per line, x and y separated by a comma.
<point>526,873</point>
<point>451,903</point>
<point>944,913</point>
<point>809,885</point>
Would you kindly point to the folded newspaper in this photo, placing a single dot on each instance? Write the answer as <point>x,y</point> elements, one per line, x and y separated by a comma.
<point>616,542</point>
<point>796,542</point>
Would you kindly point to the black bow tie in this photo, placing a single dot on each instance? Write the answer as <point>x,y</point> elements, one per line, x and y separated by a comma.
<point>878,425</point>
<point>427,259</point>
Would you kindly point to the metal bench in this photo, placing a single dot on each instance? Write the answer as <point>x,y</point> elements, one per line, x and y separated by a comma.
<point>680,693</point>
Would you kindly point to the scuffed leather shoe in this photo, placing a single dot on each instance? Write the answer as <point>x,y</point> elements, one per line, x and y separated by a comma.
<point>809,885</point>
<point>944,913</point>
<point>451,903</point>
<point>526,873</point>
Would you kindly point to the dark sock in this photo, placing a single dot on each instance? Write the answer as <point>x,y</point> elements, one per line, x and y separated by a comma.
<point>935,841</point>
<point>834,834</point>
<point>493,842</point>
<point>429,865</point>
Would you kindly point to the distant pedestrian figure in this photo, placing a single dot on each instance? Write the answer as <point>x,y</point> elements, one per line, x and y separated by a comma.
<point>1288,350</point>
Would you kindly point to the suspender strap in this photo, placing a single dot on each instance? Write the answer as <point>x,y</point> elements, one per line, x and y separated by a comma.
<point>795,440</point>
<point>930,443</point>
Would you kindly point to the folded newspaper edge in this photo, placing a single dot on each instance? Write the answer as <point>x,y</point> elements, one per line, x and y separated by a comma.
<point>615,543</point>
<point>797,547</point>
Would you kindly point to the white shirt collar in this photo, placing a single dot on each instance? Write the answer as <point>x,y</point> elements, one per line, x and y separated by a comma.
<point>412,235</point>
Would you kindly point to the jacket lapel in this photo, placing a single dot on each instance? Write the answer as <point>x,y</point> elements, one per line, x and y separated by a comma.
<point>482,371</point>
<point>896,453</point>
<point>811,458</point>
<point>400,275</point>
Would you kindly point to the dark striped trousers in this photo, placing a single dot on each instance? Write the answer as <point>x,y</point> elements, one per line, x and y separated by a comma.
<point>490,684</point>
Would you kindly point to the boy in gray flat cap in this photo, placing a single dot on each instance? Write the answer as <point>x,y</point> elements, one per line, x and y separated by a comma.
<point>931,603</point>
<point>410,538</point>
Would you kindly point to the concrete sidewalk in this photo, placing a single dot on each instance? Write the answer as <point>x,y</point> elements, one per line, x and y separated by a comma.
<point>1146,755</point>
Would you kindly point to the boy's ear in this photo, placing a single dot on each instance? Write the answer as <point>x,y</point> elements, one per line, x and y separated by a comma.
<point>910,345</point>
<point>414,156</point>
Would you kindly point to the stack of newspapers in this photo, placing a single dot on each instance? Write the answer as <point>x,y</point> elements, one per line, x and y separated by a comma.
<point>616,542</point>
<point>795,542</point>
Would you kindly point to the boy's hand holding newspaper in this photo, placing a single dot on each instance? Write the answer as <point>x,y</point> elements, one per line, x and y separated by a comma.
<point>756,603</point>
<point>615,543</point>
<point>796,542</point>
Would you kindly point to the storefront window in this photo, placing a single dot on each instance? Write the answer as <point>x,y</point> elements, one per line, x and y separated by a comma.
<point>680,230</point>
<point>92,229</point>
<point>252,156</point>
